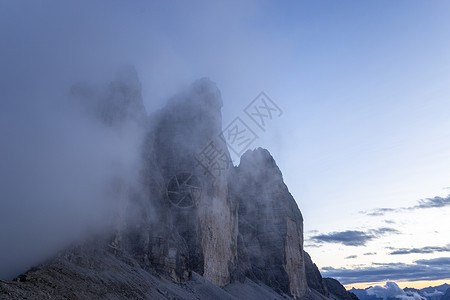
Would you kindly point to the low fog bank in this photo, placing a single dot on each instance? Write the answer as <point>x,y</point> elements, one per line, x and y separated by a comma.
<point>392,290</point>
<point>63,157</point>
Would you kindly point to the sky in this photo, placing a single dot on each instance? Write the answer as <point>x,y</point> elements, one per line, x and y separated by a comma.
<point>363,139</point>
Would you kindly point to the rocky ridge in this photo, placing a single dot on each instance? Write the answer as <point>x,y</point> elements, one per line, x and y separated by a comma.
<point>191,229</point>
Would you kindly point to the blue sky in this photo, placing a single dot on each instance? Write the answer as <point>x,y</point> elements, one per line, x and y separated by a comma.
<point>364,87</point>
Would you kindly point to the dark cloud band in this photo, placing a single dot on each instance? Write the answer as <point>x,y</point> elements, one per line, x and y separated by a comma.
<point>423,250</point>
<point>435,202</point>
<point>353,237</point>
<point>424,269</point>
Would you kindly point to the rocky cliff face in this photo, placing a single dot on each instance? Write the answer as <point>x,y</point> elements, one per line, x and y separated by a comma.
<point>270,225</point>
<point>189,197</point>
<point>313,276</point>
<point>190,216</point>
<point>337,291</point>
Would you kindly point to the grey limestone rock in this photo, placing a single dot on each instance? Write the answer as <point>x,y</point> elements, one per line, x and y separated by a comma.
<point>189,227</point>
<point>270,225</point>
<point>337,291</point>
<point>313,276</point>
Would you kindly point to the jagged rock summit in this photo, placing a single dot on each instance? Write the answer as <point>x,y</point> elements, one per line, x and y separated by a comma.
<point>192,227</point>
<point>270,225</point>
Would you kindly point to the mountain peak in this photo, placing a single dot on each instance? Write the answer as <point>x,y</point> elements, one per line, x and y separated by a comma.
<point>207,91</point>
<point>192,221</point>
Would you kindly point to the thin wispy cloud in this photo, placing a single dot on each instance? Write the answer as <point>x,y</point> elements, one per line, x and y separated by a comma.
<point>435,202</point>
<point>422,250</point>
<point>379,211</point>
<point>312,246</point>
<point>353,237</point>
<point>424,269</point>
